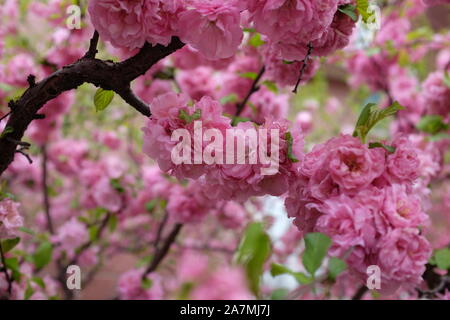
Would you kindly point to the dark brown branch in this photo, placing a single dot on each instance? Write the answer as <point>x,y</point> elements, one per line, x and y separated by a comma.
<point>304,66</point>
<point>162,252</point>
<point>105,74</point>
<point>92,52</point>
<point>254,88</point>
<point>129,97</point>
<point>360,293</point>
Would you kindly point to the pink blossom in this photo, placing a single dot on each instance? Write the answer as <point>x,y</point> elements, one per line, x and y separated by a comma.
<point>19,68</point>
<point>120,22</point>
<point>212,27</point>
<point>10,219</point>
<point>351,164</point>
<point>403,164</point>
<point>224,284</point>
<point>106,196</point>
<point>305,20</point>
<point>347,222</point>
<point>130,286</point>
<point>186,205</point>
<point>402,257</point>
<point>436,94</point>
<point>67,155</point>
<point>403,209</point>
<point>71,235</point>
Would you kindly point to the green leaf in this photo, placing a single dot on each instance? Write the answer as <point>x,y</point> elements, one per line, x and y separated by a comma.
<point>290,141</point>
<point>249,75</point>
<point>39,282</point>
<point>316,248</point>
<point>112,222</point>
<point>349,10</point>
<point>363,8</point>
<point>278,269</point>
<point>102,99</point>
<point>150,205</point>
<point>271,86</point>
<point>442,258</point>
<point>256,41</point>
<point>335,267</point>
<point>27,231</point>
<point>93,233</point>
<point>447,79</point>
<point>28,292</point>
<point>183,115</point>
<point>13,265</point>
<point>231,98</point>
<point>279,294</point>
<point>389,149</point>
<point>432,124</point>
<point>238,119</point>
<point>146,283</point>
<point>253,251</point>
<point>43,254</point>
<point>9,244</point>
<point>115,183</point>
<point>370,116</point>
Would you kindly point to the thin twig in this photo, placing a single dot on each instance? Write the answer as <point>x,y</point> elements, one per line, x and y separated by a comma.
<point>254,88</point>
<point>162,252</point>
<point>90,54</point>
<point>304,66</point>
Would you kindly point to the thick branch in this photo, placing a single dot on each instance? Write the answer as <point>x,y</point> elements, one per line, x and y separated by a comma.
<point>105,74</point>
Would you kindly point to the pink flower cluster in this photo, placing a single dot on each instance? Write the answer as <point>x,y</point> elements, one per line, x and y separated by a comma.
<point>363,199</point>
<point>222,283</point>
<point>129,24</point>
<point>292,25</point>
<point>10,219</point>
<point>131,286</point>
<point>225,181</point>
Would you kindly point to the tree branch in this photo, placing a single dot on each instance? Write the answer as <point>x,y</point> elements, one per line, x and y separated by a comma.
<point>105,74</point>
<point>254,88</point>
<point>304,66</point>
<point>161,253</point>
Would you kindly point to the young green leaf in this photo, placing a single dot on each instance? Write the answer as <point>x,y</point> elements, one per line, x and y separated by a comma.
<point>349,10</point>
<point>183,115</point>
<point>146,283</point>
<point>432,124</point>
<point>278,269</point>
<point>256,41</point>
<point>316,248</point>
<point>102,99</point>
<point>253,251</point>
<point>290,141</point>
<point>442,258</point>
<point>389,149</point>
<point>335,267</point>
<point>370,116</point>
<point>43,254</point>
<point>9,244</point>
<point>363,8</point>
<point>249,75</point>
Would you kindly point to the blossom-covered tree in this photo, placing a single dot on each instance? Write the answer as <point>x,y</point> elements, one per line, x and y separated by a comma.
<point>273,149</point>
